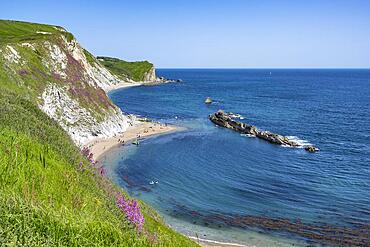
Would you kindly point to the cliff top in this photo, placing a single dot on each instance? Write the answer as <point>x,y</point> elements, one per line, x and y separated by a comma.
<point>19,31</point>
<point>133,70</point>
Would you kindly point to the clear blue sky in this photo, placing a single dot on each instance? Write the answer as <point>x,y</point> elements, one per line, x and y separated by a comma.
<point>212,33</point>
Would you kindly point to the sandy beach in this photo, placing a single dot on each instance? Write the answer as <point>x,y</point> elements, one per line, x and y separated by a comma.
<point>140,130</point>
<point>144,129</point>
<point>123,85</point>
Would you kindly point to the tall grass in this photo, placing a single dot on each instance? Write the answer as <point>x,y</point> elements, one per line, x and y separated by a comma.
<point>45,197</point>
<point>50,194</point>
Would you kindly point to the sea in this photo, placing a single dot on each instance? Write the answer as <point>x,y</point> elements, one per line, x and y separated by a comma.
<point>213,183</point>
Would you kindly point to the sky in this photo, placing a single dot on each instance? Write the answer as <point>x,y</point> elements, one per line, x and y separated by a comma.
<point>213,33</point>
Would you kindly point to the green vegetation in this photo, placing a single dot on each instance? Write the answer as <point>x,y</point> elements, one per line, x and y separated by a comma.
<point>18,31</point>
<point>90,58</point>
<point>124,69</point>
<point>50,194</point>
<point>30,76</point>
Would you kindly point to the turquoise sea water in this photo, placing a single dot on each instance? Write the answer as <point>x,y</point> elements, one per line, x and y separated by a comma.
<point>216,184</point>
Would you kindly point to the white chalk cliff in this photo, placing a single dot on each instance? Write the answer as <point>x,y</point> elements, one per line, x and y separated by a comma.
<point>73,88</point>
<point>150,76</point>
<point>78,121</point>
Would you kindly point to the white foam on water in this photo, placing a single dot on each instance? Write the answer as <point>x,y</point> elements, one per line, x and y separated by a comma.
<point>247,135</point>
<point>302,143</point>
<point>216,242</point>
<point>236,116</point>
<point>288,146</point>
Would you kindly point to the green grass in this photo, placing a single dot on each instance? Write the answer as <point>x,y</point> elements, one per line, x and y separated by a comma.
<point>90,58</point>
<point>30,78</point>
<point>19,31</point>
<point>45,198</point>
<point>121,68</point>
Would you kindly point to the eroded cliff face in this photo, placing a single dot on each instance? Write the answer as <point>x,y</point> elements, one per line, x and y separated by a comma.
<point>68,84</point>
<point>150,76</point>
<point>78,121</point>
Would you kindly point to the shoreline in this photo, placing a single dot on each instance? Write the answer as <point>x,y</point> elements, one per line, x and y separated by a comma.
<point>122,85</point>
<point>213,243</point>
<point>99,146</point>
<point>136,83</point>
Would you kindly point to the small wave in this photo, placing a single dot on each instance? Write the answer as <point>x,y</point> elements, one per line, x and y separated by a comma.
<point>247,135</point>
<point>235,116</point>
<point>216,242</point>
<point>288,146</point>
<point>153,182</point>
<point>302,143</point>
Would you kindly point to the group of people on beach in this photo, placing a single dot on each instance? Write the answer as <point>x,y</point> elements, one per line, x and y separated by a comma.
<point>121,141</point>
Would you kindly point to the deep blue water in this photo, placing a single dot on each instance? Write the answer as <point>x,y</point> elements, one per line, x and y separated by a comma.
<point>209,170</point>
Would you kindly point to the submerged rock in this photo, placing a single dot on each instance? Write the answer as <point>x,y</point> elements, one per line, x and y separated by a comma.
<point>208,101</point>
<point>311,149</point>
<point>226,120</point>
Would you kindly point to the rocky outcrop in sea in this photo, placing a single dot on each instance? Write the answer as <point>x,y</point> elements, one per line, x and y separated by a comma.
<point>226,120</point>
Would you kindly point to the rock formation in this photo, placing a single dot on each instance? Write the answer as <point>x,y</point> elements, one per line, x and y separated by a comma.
<point>150,75</point>
<point>208,101</point>
<point>224,119</point>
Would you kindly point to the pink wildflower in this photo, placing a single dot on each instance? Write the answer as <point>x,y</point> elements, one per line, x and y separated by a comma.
<point>132,211</point>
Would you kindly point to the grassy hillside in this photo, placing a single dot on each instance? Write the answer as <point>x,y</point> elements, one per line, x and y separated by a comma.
<point>50,193</point>
<point>17,31</point>
<point>123,69</point>
<point>30,75</point>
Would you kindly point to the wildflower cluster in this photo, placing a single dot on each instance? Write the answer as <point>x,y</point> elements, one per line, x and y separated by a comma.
<point>102,171</point>
<point>92,163</point>
<point>86,152</point>
<point>132,210</point>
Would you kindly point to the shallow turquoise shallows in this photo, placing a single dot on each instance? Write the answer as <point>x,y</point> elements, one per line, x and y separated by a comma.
<point>209,177</point>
